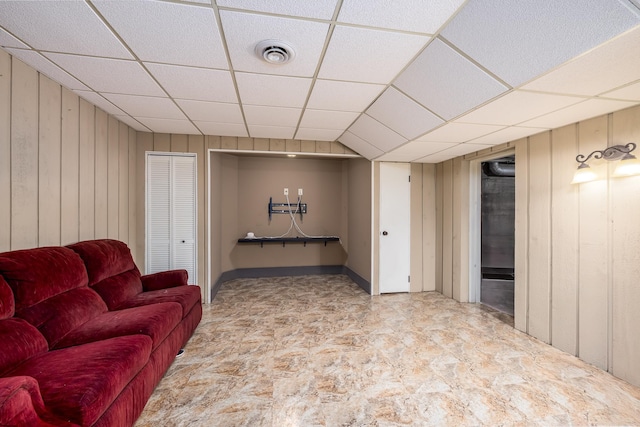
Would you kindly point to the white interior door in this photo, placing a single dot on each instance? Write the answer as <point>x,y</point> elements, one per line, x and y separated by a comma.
<point>171,214</point>
<point>395,227</point>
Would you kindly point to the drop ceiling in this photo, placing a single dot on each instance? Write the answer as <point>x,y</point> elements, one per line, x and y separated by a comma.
<point>403,80</point>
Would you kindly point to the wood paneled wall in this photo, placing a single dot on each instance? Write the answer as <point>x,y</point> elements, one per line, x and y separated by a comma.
<point>577,254</point>
<point>66,168</point>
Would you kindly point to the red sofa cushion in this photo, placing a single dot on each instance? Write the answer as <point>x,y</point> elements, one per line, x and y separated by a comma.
<point>104,258</point>
<point>22,404</point>
<point>50,289</point>
<point>79,383</point>
<point>7,303</point>
<point>119,288</point>
<point>20,341</point>
<point>186,296</point>
<point>37,274</point>
<point>155,321</point>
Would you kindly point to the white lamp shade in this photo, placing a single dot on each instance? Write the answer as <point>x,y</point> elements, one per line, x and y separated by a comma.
<point>584,174</point>
<point>628,167</point>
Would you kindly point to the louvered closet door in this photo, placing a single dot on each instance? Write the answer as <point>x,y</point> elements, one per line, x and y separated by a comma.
<point>171,214</point>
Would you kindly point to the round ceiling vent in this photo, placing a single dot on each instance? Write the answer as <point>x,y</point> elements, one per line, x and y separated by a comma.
<point>275,51</point>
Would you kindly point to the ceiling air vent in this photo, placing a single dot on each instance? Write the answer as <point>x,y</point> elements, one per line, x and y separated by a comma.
<point>275,51</point>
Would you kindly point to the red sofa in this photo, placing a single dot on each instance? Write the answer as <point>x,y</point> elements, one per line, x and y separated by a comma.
<point>84,338</point>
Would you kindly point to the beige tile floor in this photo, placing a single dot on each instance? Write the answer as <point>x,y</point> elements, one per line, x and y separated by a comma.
<point>318,351</point>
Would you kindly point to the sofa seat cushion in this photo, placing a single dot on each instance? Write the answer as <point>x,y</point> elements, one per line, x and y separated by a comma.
<point>186,296</point>
<point>156,321</point>
<point>79,383</point>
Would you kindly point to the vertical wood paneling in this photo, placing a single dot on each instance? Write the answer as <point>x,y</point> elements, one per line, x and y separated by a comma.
<point>87,171</point>
<point>180,143</point>
<point>5,151</point>
<point>70,226</point>
<point>521,249</point>
<point>113,135</point>
<point>196,145</point>
<point>439,224</point>
<point>447,229</point>
<point>24,156</point>
<point>144,143</point>
<point>540,246</point>
<point>123,183</point>
<point>429,227</point>
<point>460,230</point>
<point>625,301</point>
<point>564,240</point>
<point>161,142</point>
<point>133,196</point>
<point>49,150</point>
<point>416,269</point>
<point>101,175</point>
<point>593,252</point>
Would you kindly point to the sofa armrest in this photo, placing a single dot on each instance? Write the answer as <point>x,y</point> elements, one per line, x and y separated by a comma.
<point>21,403</point>
<point>164,280</point>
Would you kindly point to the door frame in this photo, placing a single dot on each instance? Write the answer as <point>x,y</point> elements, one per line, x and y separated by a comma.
<point>475,221</point>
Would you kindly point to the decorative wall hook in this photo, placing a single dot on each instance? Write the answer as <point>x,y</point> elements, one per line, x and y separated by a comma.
<point>629,164</point>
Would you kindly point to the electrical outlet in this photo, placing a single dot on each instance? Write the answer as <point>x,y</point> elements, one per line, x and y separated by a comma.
<point>286,191</point>
<point>299,191</point>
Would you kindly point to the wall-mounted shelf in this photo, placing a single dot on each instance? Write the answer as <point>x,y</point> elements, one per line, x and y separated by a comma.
<point>285,240</point>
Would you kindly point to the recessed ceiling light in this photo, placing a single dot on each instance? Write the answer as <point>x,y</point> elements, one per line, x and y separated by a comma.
<point>275,51</point>
<point>291,155</point>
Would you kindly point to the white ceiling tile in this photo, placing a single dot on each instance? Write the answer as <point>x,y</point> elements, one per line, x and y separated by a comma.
<point>132,123</point>
<point>100,102</point>
<point>7,40</point>
<point>146,106</point>
<point>446,82</point>
<point>244,30</point>
<point>277,132</point>
<point>365,55</point>
<point>167,32</point>
<point>630,92</point>
<point>318,134</point>
<point>575,113</point>
<point>108,75</point>
<point>61,26</point>
<point>459,132</point>
<point>222,129</point>
<point>453,152</point>
<point>169,126</point>
<point>276,91</point>
<point>518,40</point>
<point>272,116</point>
<point>517,107</point>
<point>323,119</point>
<point>506,135</point>
<point>414,150</point>
<point>360,146</point>
<point>417,15</point>
<point>402,114</point>
<point>42,64</point>
<point>376,133</point>
<point>211,111</point>
<point>600,70</point>
<point>195,83</point>
<point>319,9</point>
<point>343,96</point>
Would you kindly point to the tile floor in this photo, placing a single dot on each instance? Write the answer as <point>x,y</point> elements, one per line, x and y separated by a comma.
<point>319,351</point>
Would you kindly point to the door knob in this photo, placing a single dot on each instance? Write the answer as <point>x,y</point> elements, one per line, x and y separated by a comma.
<point>384,233</point>
<point>183,241</point>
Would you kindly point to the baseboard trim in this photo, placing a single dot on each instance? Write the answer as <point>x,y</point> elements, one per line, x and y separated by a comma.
<point>252,273</point>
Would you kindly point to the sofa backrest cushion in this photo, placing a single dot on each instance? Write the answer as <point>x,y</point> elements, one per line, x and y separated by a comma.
<point>112,272</point>
<point>7,304</point>
<point>104,258</point>
<point>20,341</point>
<point>37,274</point>
<point>50,290</point>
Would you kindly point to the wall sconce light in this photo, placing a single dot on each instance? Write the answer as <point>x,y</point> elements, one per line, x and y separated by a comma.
<point>629,164</point>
